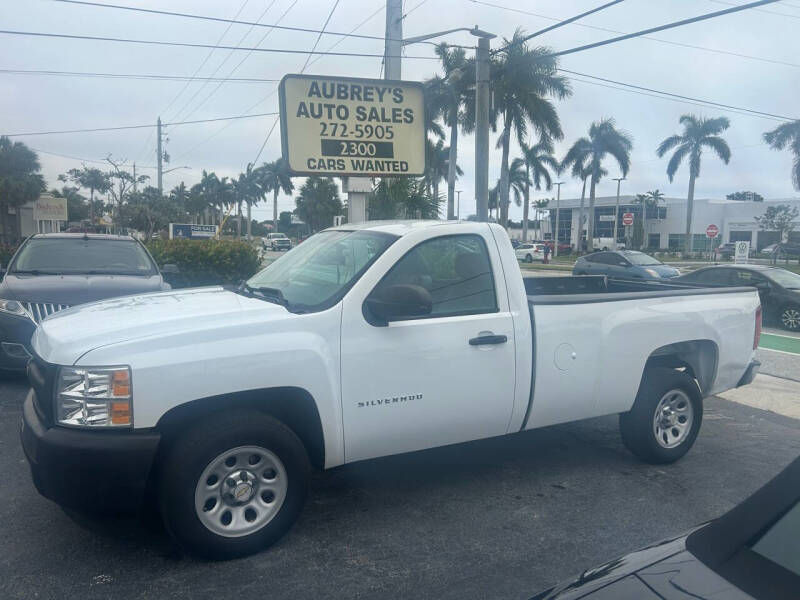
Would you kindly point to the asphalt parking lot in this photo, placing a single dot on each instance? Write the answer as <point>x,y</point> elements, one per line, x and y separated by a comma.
<point>501,518</point>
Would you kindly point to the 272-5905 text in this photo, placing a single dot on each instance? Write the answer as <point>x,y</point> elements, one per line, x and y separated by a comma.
<point>359,131</point>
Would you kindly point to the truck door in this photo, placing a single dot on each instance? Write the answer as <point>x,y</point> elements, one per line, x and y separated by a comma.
<point>443,378</point>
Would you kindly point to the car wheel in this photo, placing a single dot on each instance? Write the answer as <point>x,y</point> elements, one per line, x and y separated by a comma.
<point>528,258</point>
<point>233,485</point>
<point>665,418</point>
<point>790,318</point>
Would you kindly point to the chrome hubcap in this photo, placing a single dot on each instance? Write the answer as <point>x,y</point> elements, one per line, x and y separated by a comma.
<point>240,491</point>
<point>791,318</point>
<point>673,418</point>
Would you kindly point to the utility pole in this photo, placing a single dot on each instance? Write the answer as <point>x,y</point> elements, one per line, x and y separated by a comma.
<point>558,207</point>
<point>393,44</point>
<point>159,158</point>
<point>134,177</point>
<point>482,127</point>
<point>458,209</point>
<point>619,180</point>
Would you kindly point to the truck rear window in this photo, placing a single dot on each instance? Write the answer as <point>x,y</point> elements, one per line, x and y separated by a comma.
<point>76,256</point>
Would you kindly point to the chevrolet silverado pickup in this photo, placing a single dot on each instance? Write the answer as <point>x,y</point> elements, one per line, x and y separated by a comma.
<point>366,340</point>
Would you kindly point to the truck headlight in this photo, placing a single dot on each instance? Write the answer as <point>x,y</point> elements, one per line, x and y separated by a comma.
<point>13,307</point>
<point>94,397</point>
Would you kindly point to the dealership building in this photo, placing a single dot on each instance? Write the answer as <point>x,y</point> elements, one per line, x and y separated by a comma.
<point>665,226</point>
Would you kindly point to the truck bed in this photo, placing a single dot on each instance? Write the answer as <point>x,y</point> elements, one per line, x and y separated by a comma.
<point>583,289</point>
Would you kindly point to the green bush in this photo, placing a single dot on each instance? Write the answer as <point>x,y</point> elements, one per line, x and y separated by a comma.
<point>206,262</point>
<point>6,252</point>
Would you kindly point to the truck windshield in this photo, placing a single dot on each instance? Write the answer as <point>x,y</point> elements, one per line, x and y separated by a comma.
<point>79,255</point>
<point>315,275</point>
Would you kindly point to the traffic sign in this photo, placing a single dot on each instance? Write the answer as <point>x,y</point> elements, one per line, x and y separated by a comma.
<point>342,126</point>
<point>712,231</point>
<point>627,219</point>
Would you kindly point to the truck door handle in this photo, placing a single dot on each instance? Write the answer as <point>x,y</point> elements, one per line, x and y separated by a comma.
<point>484,340</point>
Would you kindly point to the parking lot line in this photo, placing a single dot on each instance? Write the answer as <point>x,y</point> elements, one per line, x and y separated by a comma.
<point>782,343</point>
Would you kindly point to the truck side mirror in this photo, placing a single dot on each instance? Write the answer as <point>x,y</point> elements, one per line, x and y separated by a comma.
<point>396,302</point>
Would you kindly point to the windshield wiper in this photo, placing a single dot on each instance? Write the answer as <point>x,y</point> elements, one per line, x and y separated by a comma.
<point>35,272</point>
<point>270,294</point>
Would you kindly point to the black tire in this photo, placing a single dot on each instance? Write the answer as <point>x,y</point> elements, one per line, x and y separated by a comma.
<point>190,454</point>
<point>638,427</point>
<point>789,317</point>
<point>528,258</point>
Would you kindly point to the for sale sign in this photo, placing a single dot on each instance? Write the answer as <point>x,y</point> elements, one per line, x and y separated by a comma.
<point>338,126</point>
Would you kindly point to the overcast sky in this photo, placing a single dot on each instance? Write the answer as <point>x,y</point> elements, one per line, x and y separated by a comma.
<point>40,103</point>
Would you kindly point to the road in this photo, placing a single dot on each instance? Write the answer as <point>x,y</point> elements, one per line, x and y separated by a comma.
<point>500,518</point>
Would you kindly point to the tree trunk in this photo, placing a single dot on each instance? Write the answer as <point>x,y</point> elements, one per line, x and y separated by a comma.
<point>91,206</point>
<point>579,246</point>
<point>275,211</point>
<point>590,225</point>
<point>687,242</point>
<point>436,193</point>
<point>503,196</point>
<point>525,206</point>
<point>239,219</point>
<point>249,221</point>
<point>645,237</point>
<point>451,170</point>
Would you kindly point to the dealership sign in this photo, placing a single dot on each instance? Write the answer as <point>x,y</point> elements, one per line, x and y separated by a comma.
<point>48,208</point>
<point>338,126</point>
<point>192,232</point>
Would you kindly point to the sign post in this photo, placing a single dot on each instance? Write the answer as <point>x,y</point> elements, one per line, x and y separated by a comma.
<point>712,231</point>
<point>742,253</point>
<point>346,127</point>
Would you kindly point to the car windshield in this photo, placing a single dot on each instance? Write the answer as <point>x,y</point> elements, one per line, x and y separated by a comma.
<point>75,256</point>
<point>784,278</point>
<point>317,273</point>
<point>641,259</point>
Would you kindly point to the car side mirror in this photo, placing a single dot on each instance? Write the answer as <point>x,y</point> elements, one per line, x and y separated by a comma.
<point>170,269</point>
<point>763,287</point>
<point>396,302</point>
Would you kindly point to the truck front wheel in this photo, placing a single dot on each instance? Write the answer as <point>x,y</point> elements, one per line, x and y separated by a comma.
<point>233,485</point>
<point>666,416</point>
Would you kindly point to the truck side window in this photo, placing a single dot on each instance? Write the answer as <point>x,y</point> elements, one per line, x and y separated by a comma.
<point>455,269</point>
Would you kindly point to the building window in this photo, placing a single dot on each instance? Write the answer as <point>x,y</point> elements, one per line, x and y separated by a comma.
<point>741,236</point>
<point>654,240</point>
<point>676,241</point>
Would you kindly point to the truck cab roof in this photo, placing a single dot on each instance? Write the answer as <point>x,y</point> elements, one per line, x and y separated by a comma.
<point>397,227</point>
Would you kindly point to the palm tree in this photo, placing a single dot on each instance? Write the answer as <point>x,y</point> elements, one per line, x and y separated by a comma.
<point>784,135</point>
<point>318,202</point>
<point>540,205</point>
<point>274,177</point>
<point>20,180</point>
<point>604,140</point>
<point>92,179</point>
<point>537,160</point>
<point>697,133</point>
<point>403,198</point>
<point>254,193</point>
<point>654,198</point>
<point>451,97</point>
<point>524,78</point>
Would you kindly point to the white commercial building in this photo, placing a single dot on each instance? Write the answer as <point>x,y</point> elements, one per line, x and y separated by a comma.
<point>666,226</point>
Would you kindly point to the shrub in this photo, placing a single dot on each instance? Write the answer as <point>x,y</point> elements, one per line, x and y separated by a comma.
<point>206,262</point>
<point>6,252</point>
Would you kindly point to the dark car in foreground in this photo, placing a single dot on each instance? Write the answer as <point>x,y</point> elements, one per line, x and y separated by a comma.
<point>778,288</point>
<point>750,553</point>
<point>54,271</point>
<point>623,264</point>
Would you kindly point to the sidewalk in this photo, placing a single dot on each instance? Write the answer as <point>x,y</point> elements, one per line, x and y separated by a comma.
<point>774,394</point>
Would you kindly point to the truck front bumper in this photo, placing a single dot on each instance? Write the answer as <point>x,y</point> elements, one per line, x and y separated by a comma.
<point>105,471</point>
<point>750,373</point>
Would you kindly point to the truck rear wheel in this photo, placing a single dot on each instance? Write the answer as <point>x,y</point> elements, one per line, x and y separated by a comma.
<point>233,485</point>
<point>666,416</point>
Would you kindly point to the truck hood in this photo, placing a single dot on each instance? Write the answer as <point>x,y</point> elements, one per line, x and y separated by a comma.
<point>64,337</point>
<point>75,289</point>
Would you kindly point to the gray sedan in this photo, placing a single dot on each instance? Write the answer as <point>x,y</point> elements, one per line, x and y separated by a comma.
<point>623,264</point>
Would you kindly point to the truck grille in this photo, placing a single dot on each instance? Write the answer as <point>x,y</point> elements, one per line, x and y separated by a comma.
<point>40,310</point>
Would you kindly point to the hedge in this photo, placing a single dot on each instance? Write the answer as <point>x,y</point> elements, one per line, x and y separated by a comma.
<point>206,262</point>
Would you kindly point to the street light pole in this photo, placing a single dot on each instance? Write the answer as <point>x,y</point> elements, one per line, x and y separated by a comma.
<point>458,205</point>
<point>558,206</point>
<point>619,180</point>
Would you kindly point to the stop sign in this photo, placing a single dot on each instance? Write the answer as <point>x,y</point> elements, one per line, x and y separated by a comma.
<point>712,231</point>
<point>627,219</point>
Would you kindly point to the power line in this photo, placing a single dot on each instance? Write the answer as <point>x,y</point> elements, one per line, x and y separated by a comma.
<point>652,39</point>
<point>672,25</point>
<point>220,65</point>
<point>142,76</point>
<point>680,96</point>
<point>560,24</point>
<point>86,160</point>
<point>231,21</point>
<point>356,28</point>
<point>415,7</point>
<point>194,45</point>
<point>119,128</point>
<point>769,12</point>
<point>319,37</point>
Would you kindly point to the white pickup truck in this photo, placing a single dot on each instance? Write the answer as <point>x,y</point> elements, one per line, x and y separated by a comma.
<point>364,341</point>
